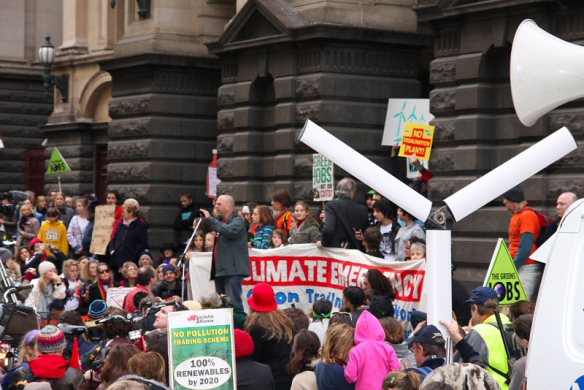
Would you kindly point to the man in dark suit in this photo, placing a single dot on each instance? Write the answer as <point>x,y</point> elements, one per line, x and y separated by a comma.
<point>344,216</point>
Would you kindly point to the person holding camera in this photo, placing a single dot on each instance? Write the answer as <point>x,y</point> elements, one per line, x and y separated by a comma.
<point>47,288</point>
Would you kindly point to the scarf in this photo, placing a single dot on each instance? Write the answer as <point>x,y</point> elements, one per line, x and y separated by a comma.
<point>103,288</point>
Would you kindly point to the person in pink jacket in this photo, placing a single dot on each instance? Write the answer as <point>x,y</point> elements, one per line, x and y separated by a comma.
<point>372,358</point>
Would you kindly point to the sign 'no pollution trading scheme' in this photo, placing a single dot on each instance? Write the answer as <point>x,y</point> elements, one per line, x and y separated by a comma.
<point>502,276</point>
<point>201,349</point>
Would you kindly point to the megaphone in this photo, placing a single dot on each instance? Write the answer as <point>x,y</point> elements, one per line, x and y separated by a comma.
<point>546,72</point>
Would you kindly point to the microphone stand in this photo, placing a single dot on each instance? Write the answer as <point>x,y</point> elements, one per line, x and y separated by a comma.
<point>181,259</point>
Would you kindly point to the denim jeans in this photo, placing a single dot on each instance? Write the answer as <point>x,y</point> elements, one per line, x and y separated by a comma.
<point>530,275</point>
<point>231,286</point>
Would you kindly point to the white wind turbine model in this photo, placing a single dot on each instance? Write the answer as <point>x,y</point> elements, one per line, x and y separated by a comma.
<point>459,205</point>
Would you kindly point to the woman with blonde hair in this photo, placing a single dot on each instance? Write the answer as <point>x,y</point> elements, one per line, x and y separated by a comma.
<point>73,285</point>
<point>272,333</point>
<point>45,289</point>
<point>28,351</point>
<point>130,274</point>
<point>89,271</point>
<point>28,226</point>
<point>330,372</point>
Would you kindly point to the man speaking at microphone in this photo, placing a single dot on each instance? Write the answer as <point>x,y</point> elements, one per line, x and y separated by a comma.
<point>230,262</point>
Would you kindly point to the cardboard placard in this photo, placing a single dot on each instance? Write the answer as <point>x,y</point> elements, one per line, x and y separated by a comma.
<point>323,178</point>
<point>503,277</point>
<point>201,350</point>
<point>401,111</point>
<point>116,296</point>
<point>57,164</point>
<point>102,228</point>
<point>417,140</point>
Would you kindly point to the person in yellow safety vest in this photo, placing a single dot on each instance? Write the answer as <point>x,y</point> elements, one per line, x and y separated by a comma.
<point>485,337</point>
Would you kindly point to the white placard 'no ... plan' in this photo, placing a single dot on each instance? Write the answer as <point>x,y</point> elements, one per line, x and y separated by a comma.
<point>400,111</point>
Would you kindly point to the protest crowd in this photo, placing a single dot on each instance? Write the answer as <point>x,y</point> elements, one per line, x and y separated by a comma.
<point>84,343</point>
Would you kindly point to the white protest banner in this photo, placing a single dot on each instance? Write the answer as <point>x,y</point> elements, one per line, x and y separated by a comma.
<point>102,228</point>
<point>401,111</point>
<point>201,350</point>
<point>302,274</point>
<point>116,296</point>
<point>323,178</point>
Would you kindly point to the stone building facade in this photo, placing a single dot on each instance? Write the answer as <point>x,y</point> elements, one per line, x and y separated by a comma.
<point>24,106</point>
<point>155,86</point>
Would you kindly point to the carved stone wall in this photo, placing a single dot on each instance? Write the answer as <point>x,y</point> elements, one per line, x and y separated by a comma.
<point>476,125</point>
<point>23,108</point>
<point>164,116</point>
<point>344,86</point>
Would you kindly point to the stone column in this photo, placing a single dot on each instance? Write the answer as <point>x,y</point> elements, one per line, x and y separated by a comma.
<point>162,133</point>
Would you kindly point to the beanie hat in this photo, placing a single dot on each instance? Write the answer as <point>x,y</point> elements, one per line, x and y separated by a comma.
<point>51,340</point>
<point>34,241</point>
<point>46,266</point>
<point>97,309</point>
<point>262,298</point>
<point>168,267</point>
<point>515,194</point>
<point>146,253</point>
<point>244,345</point>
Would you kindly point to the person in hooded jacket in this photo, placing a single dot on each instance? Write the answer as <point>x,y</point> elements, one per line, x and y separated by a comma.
<point>305,228</point>
<point>50,366</point>
<point>372,358</point>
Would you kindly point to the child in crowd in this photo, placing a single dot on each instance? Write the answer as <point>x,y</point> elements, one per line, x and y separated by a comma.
<point>279,238</point>
<point>209,242</point>
<point>418,251</point>
<point>168,254</point>
<point>304,359</point>
<point>399,380</point>
<point>371,241</point>
<point>394,334</point>
<point>335,352</point>
<point>263,237</point>
<point>372,358</point>
<point>198,244</point>
<point>321,314</point>
<point>53,231</point>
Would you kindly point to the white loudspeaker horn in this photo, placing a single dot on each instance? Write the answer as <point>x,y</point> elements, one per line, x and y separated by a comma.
<point>546,72</point>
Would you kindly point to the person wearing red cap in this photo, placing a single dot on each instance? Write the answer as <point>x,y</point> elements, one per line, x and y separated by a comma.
<point>250,375</point>
<point>272,333</point>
